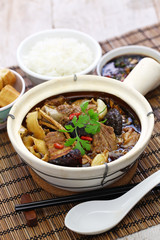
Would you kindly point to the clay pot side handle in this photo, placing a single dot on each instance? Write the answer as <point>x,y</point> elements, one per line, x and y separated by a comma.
<point>145,76</point>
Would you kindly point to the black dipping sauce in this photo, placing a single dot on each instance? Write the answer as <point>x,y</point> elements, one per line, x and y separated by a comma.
<point>118,68</point>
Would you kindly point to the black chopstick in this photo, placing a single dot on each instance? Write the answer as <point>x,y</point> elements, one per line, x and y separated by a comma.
<point>100,194</point>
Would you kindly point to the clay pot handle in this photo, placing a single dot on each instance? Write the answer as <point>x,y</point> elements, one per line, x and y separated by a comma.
<point>145,76</point>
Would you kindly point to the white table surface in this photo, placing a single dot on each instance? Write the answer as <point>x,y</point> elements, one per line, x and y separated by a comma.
<point>102,19</point>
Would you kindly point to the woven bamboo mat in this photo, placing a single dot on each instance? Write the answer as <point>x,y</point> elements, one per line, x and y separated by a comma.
<point>16,180</point>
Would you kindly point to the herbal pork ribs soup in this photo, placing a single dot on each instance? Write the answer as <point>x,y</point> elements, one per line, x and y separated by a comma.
<point>80,129</point>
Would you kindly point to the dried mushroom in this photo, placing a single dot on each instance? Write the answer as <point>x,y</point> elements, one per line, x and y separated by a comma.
<point>114,119</point>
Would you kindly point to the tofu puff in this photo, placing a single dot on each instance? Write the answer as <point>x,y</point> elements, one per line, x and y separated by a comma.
<point>7,92</point>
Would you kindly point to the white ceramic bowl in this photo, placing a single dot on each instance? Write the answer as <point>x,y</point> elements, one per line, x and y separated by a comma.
<point>77,178</point>
<point>127,50</point>
<point>28,43</point>
<point>19,85</point>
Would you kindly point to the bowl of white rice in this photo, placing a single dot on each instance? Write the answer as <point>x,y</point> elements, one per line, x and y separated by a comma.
<point>57,53</point>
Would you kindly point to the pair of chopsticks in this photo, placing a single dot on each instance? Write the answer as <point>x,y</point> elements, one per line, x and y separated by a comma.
<point>100,194</point>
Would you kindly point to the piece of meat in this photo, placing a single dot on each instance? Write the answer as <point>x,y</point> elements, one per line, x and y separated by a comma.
<point>65,156</point>
<point>56,101</point>
<point>67,109</point>
<point>53,137</point>
<point>92,106</point>
<point>105,139</point>
<point>56,137</point>
<point>130,137</point>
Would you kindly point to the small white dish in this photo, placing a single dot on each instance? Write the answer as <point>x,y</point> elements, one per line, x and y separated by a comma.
<point>26,45</point>
<point>19,85</point>
<point>127,50</point>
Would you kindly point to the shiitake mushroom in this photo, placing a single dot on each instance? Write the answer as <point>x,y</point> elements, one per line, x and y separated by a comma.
<point>71,159</point>
<point>114,119</point>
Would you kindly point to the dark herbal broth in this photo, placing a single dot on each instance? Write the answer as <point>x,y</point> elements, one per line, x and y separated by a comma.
<point>119,129</point>
<point>119,67</point>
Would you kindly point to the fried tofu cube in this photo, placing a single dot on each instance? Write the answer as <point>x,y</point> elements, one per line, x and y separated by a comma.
<point>1,83</point>
<point>7,95</point>
<point>7,76</point>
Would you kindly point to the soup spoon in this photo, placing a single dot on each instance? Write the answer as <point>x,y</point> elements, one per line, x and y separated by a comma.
<point>95,217</point>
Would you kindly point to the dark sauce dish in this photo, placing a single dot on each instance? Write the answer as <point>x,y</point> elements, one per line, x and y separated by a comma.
<point>78,179</point>
<point>119,68</point>
<point>119,62</point>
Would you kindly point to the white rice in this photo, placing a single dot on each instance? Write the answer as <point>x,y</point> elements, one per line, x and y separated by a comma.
<point>58,57</point>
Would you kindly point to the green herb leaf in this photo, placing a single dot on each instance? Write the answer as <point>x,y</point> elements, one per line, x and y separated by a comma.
<point>85,144</point>
<point>88,119</point>
<point>70,141</point>
<point>61,130</point>
<point>74,121</point>
<point>78,146</point>
<point>92,129</point>
<point>80,125</point>
<point>104,121</point>
<point>93,115</point>
<point>84,106</point>
<point>84,119</point>
<point>69,128</point>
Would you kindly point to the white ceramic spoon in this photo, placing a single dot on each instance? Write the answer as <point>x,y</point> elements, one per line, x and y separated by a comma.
<point>94,217</point>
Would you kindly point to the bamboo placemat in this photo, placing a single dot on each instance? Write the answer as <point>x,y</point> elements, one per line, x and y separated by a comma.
<point>15,179</point>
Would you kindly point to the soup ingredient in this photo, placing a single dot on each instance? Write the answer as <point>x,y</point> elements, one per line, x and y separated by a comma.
<point>48,121</point>
<point>71,116</point>
<point>88,120</point>
<point>53,138</point>
<point>71,159</point>
<point>86,138</point>
<point>30,216</point>
<point>34,126</point>
<point>80,131</point>
<point>53,113</point>
<point>100,158</point>
<point>58,57</point>
<point>101,109</point>
<point>58,145</point>
<point>36,146</point>
<point>104,139</point>
<point>114,119</point>
<point>130,137</point>
<point>23,131</point>
<point>7,95</point>
<point>119,67</point>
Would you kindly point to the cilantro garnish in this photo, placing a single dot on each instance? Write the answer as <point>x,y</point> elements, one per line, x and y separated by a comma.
<point>88,120</point>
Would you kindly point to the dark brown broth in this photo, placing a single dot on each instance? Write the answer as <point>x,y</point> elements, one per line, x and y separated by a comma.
<point>72,96</point>
<point>119,67</point>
